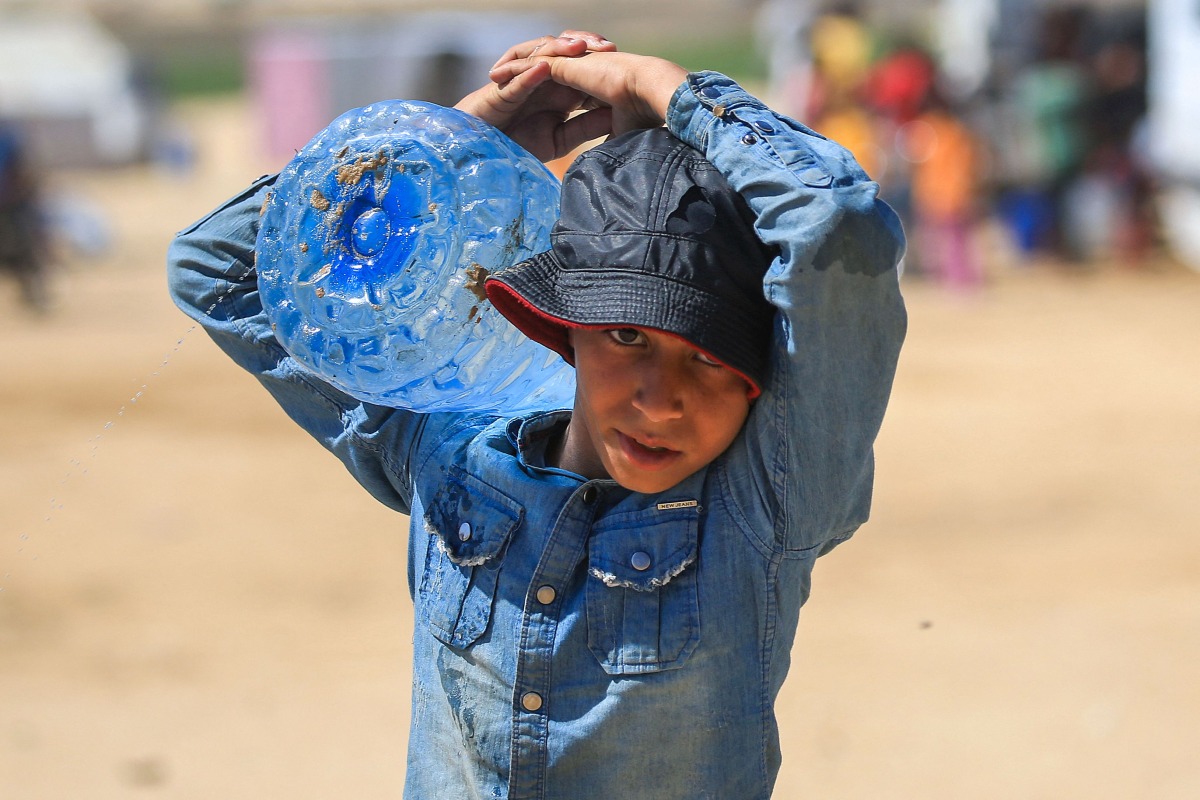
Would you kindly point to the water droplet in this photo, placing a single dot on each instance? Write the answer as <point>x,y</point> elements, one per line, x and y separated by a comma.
<point>107,425</point>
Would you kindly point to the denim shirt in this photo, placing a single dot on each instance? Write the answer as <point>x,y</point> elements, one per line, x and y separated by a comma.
<point>573,638</point>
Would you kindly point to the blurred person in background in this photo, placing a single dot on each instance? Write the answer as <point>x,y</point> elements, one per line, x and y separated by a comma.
<point>946,169</point>
<point>783,29</point>
<point>896,91</point>
<point>841,46</point>
<point>1113,215</point>
<point>1049,99</point>
<point>23,250</point>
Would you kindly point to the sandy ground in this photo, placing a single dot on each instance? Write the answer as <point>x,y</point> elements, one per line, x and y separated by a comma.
<point>198,603</point>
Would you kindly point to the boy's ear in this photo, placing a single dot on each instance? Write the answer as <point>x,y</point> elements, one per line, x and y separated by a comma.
<point>571,343</point>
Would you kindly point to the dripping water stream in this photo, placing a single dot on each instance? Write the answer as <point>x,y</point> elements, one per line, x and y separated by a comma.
<point>78,466</point>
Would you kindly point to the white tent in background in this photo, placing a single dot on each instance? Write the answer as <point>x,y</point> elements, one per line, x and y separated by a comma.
<point>1174,119</point>
<point>68,83</point>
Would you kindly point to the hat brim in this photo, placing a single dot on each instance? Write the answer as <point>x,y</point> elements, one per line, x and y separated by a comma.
<point>545,302</point>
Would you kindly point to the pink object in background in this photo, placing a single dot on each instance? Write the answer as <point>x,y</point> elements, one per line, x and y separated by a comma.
<point>288,75</point>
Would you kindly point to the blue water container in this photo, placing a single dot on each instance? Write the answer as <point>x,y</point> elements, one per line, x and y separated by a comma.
<point>374,247</point>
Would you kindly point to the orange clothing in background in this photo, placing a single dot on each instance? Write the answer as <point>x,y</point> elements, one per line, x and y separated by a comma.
<point>853,128</point>
<point>946,165</point>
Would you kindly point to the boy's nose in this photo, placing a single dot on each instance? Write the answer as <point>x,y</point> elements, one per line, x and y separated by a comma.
<point>659,394</point>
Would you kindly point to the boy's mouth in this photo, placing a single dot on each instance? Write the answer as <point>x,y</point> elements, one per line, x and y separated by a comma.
<point>646,456</point>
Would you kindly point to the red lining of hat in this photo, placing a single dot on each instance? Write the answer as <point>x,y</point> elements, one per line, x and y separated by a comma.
<point>551,331</point>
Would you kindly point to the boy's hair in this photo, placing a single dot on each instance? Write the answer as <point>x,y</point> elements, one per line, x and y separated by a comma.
<point>650,235</point>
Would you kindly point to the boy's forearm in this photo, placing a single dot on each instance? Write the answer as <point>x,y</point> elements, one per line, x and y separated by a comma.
<point>211,274</point>
<point>212,278</point>
<point>834,284</point>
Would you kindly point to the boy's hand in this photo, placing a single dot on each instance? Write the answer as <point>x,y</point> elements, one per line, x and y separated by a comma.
<point>533,110</point>
<point>637,89</point>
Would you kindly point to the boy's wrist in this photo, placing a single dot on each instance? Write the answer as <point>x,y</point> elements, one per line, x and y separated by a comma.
<point>660,86</point>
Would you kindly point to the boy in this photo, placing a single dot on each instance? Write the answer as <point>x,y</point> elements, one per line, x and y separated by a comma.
<point>606,597</point>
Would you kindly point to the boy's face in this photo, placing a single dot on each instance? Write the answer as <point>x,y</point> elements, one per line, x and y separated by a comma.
<point>650,409</point>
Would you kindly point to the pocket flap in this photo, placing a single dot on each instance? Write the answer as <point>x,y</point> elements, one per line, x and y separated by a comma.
<point>472,520</point>
<point>643,551</point>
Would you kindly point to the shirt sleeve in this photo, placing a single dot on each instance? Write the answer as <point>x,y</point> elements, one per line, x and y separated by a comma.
<point>801,473</point>
<point>212,278</point>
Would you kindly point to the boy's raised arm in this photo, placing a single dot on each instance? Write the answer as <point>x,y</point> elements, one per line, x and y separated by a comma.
<point>841,318</point>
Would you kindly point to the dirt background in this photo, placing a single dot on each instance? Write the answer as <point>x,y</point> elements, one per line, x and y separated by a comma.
<point>198,603</point>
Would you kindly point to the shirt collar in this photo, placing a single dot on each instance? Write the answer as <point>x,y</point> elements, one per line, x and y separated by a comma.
<point>529,436</point>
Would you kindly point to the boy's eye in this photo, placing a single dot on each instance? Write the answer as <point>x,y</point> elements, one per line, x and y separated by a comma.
<point>626,336</point>
<point>703,359</point>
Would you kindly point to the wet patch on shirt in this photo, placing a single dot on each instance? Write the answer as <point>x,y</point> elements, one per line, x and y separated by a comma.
<point>454,684</point>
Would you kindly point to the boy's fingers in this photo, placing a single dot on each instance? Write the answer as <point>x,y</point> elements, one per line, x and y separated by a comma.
<point>517,51</point>
<point>521,86</point>
<point>564,45</point>
<point>588,103</point>
<point>568,43</point>
<point>583,128</point>
<point>505,72</point>
<point>496,103</point>
<point>594,40</point>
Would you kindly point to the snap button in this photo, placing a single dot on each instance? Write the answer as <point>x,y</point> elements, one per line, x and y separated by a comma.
<point>749,138</point>
<point>546,595</point>
<point>640,561</point>
<point>531,701</point>
<point>589,495</point>
<point>764,126</point>
<point>464,532</point>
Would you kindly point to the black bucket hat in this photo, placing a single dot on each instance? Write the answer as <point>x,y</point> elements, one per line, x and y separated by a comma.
<point>650,235</point>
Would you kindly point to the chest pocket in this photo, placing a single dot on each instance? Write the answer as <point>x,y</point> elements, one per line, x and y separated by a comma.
<point>643,610</point>
<point>469,524</point>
